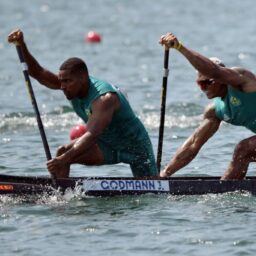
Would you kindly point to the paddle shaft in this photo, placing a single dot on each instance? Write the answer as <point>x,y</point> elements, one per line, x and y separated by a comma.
<point>163,106</point>
<point>34,104</point>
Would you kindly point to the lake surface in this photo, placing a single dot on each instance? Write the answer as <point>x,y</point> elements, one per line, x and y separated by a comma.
<point>130,57</point>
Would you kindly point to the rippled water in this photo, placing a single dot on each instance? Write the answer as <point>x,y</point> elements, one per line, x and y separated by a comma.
<point>130,57</point>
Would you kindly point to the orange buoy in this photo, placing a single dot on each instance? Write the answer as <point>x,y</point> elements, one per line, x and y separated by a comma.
<point>93,37</point>
<point>77,131</point>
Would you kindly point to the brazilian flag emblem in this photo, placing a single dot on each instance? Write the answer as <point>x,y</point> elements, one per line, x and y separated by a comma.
<point>235,101</point>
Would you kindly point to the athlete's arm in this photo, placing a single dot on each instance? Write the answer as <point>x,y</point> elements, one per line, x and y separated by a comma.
<point>103,110</point>
<point>237,77</point>
<point>35,70</point>
<point>188,151</point>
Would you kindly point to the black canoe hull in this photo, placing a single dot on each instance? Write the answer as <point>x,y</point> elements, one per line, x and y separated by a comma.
<point>110,186</point>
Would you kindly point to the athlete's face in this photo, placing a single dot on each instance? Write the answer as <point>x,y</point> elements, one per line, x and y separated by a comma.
<point>72,84</point>
<point>210,86</point>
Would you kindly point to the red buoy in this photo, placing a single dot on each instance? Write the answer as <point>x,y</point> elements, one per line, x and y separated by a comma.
<point>77,131</point>
<point>93,37</point>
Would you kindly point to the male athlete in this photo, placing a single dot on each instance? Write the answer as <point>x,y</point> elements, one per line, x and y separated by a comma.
<point>115,134</point>
<point>234,94</point>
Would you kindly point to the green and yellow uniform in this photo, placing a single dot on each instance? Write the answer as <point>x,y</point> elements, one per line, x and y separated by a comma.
<point>125,139</point>
<point>237,108</point>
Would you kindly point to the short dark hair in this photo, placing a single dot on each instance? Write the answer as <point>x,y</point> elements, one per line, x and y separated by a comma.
<point>74,65</point>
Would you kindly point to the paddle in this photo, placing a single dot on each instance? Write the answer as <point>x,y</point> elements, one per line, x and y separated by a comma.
<point>34,103</point>
<point>163,103</point>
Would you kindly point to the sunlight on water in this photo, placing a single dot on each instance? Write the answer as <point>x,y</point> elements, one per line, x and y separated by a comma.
<point>151,121</point>
<point>28,122</point>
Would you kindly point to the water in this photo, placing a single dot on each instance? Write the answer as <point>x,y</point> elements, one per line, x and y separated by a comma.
<point>130,57</point>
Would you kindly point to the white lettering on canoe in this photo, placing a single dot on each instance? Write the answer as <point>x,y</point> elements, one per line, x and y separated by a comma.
<point>126,185</point>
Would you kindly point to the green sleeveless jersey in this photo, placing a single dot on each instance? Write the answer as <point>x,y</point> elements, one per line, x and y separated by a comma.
<point>237,108</point>
<point>125,128</point>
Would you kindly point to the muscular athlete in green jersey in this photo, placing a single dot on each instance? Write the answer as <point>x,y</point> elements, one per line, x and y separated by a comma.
<point>234,94</point>
<point>114,133</point>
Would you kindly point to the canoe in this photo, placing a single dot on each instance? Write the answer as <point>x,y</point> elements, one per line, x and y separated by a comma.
<point>113,186</point>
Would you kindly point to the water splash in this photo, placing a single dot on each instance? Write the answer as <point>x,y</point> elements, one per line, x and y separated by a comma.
<point>56,198</point>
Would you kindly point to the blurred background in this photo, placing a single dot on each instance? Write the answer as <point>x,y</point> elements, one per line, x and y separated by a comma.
<point>130,57</point>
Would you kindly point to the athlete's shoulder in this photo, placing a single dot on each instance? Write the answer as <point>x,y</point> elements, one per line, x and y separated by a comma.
<point>210,112</point>
<point>249,76</point>
<point>242,71</point>
<point>98,81</point>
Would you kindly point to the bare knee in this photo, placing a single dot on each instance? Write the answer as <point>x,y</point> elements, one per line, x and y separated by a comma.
<point>244,150</point>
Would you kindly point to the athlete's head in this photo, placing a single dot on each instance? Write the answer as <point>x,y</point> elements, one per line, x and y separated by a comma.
<point>74,65</point>
<point>74,79</point>
<point>210,86</point>
<point>217,61</point>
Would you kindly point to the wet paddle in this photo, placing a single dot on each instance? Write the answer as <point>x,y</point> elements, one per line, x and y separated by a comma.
<point>163,104</point>
<point>34,103</point>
